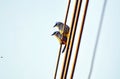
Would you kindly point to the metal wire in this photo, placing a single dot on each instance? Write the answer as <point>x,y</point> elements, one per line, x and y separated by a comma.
<point>69,1</point>
<point>97,39</point>
<point>66,14</point>
<point>79,39</point>
<point>68,41</point>
<point>72,38</point>
<point>58,61</point>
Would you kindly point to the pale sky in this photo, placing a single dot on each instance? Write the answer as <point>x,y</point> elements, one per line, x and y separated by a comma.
<point>30,52</point>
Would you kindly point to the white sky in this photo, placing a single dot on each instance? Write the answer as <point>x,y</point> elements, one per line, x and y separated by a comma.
<point>30,52</point>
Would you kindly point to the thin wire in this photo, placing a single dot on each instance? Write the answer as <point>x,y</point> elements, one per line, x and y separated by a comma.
<point>61,44</point>
<point>72,38</point>
<point>97,40</point>
<point>79,39</point>
<point>57,61</point>
<point>66,14</point>
<point>68,41</point>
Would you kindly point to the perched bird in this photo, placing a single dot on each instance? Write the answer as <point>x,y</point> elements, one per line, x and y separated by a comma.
<point>61,39</point>
<point>64,31</point>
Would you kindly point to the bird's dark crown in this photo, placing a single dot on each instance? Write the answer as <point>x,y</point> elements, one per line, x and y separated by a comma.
<point>57,24</point>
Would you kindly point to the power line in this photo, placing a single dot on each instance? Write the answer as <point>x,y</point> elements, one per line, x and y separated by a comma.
<point>72,38</point>
<point>61,44</point>
<point>68,41</point>
<point>97,39</point>
<point>58,61</point>
<point>79,39</point>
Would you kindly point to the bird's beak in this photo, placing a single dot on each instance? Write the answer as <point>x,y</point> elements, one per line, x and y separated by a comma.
<point>55,25</point>
<point>53,34</point>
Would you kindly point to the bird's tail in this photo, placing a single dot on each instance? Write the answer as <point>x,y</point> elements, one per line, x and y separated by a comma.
<point>63,49</point>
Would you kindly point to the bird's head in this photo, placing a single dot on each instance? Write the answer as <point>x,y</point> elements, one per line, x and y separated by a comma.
<point>57,24</point>
<point>56,33</point>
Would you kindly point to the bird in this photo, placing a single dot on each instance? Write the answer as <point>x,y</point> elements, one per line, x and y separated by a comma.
<point>62,39</point>
<point>64,31</point>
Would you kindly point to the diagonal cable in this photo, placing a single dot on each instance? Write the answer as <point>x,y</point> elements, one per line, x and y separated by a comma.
<point>68,41</point>
<point>72,38</point>
<point>61,44</point>
<point>97,40</point>
<point>79,39</point>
